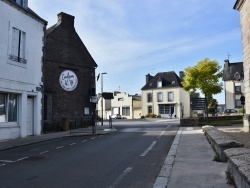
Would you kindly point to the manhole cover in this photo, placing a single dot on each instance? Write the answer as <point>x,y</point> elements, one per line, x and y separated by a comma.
<point>35,158</point>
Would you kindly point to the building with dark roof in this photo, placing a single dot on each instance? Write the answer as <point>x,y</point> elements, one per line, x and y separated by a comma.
<point>163,95</point>
<point>69,74</point>
<point>233,77</point>
<point>21,60</point>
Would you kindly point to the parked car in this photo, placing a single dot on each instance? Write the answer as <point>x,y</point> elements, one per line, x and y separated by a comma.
<point>116,116</point>
<point>229,112</point>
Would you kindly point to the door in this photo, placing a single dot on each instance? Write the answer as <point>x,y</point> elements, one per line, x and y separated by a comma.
<point>30,116</point>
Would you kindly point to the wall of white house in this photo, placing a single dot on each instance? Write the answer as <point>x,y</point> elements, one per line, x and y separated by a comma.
<point>231,98</point>
<point>180,96</point>
<point>21,79</point>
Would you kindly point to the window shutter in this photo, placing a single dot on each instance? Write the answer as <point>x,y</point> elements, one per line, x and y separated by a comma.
<point>22,45</point>
<point>15,42</point>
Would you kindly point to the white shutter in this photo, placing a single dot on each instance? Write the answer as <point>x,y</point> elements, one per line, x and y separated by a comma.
<point>22,45</point>
<point>15,42</point>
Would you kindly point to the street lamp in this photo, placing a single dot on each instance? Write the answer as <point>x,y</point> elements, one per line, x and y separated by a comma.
<point>102,93</point>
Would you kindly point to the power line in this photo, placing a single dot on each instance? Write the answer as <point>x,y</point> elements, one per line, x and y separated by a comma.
<point>175,45</point>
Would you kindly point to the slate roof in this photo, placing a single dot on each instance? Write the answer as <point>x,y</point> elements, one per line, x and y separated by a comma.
<point>169,79</point>
<point>230,70</point>
<point>28,11</point>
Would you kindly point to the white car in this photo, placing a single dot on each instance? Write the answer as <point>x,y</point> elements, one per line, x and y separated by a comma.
<point>116,116</point>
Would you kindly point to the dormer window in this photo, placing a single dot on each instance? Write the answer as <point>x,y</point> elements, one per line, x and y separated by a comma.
<point>159,83</point>
<point>237,76</point>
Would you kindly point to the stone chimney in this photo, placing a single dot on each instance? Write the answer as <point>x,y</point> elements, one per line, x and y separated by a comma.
<point>226,64</point>
<point>181,75</point>
<point>148,77</point>
<point>65,20</point>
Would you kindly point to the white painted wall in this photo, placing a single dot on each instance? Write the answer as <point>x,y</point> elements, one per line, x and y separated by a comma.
<point>18,78</point>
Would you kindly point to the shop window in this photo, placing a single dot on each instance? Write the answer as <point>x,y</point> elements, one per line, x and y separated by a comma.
<point>85,110</point>
<point>8,107</point>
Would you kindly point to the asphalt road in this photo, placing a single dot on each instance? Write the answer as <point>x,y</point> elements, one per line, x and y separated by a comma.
<point>130,157</point>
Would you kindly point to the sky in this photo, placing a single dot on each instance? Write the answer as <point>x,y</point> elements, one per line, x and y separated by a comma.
<point>130,38</point>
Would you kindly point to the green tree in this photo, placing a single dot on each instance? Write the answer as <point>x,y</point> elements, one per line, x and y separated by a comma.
<point>203,76</point>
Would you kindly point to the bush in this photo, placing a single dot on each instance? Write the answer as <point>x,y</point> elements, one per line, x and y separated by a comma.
<point>151,116</point>
<point>142,117</point>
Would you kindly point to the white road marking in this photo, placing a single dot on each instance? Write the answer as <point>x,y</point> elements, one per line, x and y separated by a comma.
<point>189,128</point>
<point>148,149</point>
<point>100,135</point>
<point>2,164</point>
<point>84,141</point>
<point>43,152</point>
<point>121,177</point>
<point>93,138</point>
<point>21,159</point>
<point>59,147</point>
<point>72,144</point>
<point>7,161</point>
<point>161,134</point>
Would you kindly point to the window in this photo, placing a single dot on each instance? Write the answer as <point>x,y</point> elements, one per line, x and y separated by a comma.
<point>149,97</point>
<point>8,107</point>
<point>238,103</point>
<point>17,52</point>
<point>121,99</point>
<point>164,109</point>
<point>159,84</point>
<point>170,96</point>
<point>150,110</point>
<point>159,97</point>
<point>85,110</point>
<point>126,111</point>
<point>237,76</point>
<point>238,89</point>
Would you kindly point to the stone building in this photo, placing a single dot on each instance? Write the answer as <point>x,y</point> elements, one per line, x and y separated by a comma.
<point>233,77</point>
<point>21,59</point>
<point>69,74</point>
<point>243,7</point>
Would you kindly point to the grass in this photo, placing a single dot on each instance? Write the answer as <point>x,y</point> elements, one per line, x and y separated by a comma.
<point>222,123</point>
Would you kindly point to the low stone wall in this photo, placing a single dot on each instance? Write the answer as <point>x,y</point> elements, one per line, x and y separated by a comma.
<point>220,141</point>
<point>239,166</point>
<point>220,118</point>
<point>189,122</point>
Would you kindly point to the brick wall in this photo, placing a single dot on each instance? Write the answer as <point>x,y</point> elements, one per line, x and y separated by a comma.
<point>64,50</point>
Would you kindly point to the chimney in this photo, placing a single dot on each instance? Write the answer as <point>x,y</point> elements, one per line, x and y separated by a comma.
<point>181,75</point>
<point>148,77</point>
<point>226,64</point>
<point>65,20</point>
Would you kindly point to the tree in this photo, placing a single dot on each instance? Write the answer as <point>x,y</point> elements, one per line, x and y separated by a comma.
<point>204,76</point>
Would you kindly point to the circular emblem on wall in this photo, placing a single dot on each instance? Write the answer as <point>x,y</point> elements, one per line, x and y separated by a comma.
<point>68,80</point>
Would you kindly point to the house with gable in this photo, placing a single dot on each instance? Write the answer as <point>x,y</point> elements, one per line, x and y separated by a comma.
<point>233,77</point>
<point>128,106</point>
<point>69,75</point>
<point>163,95</point>
<point>21,60</point>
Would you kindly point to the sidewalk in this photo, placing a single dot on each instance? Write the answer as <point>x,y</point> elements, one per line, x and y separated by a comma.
<point>190,164</point>
<point>15,143</point>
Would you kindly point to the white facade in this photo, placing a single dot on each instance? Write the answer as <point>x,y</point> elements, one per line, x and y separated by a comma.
<point>128,106</point>
<point>21,56</point>
<point>174,100</point>
<point>233,90</point>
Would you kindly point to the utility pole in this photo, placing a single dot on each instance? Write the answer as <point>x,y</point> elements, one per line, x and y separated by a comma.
<point>102,94</point>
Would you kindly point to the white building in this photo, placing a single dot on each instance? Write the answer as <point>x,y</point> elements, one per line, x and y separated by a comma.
<point>163,95</point>
<point>21,59</point>
<point>233,77</point>
<point>128,106</point>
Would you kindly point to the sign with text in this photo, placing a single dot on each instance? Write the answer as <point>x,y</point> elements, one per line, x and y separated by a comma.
<point>198,103</point>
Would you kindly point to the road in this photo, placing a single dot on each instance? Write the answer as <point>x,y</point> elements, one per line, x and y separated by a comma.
<point>130,157</point>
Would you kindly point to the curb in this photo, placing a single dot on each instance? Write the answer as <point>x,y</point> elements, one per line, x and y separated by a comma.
<point>164,175</point>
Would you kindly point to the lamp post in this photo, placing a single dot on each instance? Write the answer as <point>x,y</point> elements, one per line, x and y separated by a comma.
<point>102,92</point>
